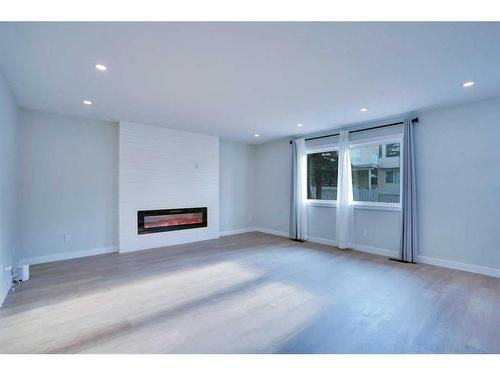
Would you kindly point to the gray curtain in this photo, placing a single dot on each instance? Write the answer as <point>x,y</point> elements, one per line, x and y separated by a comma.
<point>409,197</point>
<point>298,212</point>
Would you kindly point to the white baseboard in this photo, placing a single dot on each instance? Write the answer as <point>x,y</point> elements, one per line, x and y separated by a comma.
<point>358,247</point>
<point>268,231</point>
<point>376,251</point>
<point>237,231</point>
<point>68,255</point>
<point>271,231</point>
<point>483,270</point>
<point>330,242</point>
<point>322,241</point>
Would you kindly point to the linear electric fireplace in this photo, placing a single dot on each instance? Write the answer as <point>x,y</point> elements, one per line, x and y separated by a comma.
<point>153,221</point>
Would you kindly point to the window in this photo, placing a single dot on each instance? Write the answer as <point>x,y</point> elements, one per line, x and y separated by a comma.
<point>375,176</point>
<point>322,173</point>
<point>392,150</point>
<point>392,177</point>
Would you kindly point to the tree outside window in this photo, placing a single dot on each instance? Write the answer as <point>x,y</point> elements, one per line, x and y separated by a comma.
<point>322,174</point>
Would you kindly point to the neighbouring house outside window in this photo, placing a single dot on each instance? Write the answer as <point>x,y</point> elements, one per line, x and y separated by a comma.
<point>376,172</point>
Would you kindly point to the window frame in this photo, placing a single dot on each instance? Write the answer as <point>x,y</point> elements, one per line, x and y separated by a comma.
<point>317,150</point>
<point>375,141</point>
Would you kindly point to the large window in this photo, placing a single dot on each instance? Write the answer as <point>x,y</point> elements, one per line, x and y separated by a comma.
<point>322,172</point>
<point>375,172</point>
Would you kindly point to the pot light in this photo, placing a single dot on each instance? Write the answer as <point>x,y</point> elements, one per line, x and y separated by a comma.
<point>299,125</point>
<point>87,102</point>
<point>256,135</point>
<point>101,67</point>
<point>364,109</point>
<point>468,84</point>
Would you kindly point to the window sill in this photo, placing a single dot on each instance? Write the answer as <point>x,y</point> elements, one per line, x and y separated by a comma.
<point>321,203</point>
<point>357,205</point>
<point>377,206</point>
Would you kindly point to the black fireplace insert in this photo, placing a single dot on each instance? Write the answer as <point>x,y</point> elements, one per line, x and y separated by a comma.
<point>152,221</point>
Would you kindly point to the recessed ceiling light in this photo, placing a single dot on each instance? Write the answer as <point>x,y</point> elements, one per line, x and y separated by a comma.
<point>299,125</point>
<point>468,84</point>
<point>256,135</point>
<point>364,109</point>
<point>101,67</point>
<point>87,102</point>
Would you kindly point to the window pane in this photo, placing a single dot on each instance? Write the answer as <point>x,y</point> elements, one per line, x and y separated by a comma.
<point>322,173</point>
<point>389,178</point>
<point>392,150</point>
<point>375,172</point>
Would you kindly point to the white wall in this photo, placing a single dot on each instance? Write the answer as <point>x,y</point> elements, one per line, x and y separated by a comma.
<point>458,184</point>
<point>8,141</point>
<point>163,168</point>
<point>237,186</point>
<point>321,223</point>
<point>273,183</point>
<point>458,154</point>
<point>377,231</point>
<point>67,186</point>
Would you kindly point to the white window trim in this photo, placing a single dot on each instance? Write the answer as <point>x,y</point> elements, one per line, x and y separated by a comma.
<point>377,140</point>
<point>381,205</point>
<point>328,146</point>
<point>321,202</point>
<point>377,206</point>
<point>313,150</point>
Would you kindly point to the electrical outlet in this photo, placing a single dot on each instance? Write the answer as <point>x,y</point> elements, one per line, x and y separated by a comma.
<point>365,232</point>
<point>67,238</point>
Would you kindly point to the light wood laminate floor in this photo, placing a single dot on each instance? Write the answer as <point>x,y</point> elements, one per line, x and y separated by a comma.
<point>250,293</point>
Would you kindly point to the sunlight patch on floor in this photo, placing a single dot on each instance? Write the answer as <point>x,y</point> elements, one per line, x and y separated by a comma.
<point>95,312</point>
<point>249,321</point>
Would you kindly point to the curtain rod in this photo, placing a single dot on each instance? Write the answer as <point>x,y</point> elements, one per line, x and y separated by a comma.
<point>415,120</point>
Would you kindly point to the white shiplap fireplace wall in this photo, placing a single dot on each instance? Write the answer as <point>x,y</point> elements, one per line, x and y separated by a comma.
<point>163,168</point>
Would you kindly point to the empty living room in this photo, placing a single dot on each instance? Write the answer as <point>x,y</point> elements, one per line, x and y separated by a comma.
<point>258,186</point>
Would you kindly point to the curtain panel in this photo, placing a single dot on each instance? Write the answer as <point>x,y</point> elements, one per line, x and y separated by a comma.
<point>345,208</point>
<point>408,251</point>
<point>298,209</point>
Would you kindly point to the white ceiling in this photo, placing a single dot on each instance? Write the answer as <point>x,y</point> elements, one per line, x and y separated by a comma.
<point>237,79</point>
